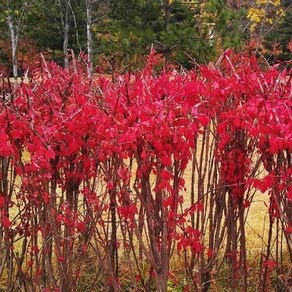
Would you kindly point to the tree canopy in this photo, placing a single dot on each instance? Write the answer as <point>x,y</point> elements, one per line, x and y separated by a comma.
<point>121,32</point>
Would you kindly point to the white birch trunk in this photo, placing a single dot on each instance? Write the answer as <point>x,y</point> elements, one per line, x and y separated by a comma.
<point>89,37</point>
<point>14,43</point>
<point>66,34</point>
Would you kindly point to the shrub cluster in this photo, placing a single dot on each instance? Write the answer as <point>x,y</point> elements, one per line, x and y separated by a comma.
<point>97,167</point>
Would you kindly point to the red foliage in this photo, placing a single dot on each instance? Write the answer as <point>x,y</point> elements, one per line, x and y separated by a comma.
<point>82,137</point>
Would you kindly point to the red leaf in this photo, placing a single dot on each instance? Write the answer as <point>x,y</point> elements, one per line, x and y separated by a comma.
<point>237,122</point>
<point>137,278</point>
<point>166,175</point>
<point>253,132</point>
<point>210,252</point>
<point>246,203</point>
<point>128,212</point>
<point>289,229</point>
<point>2,201</point>
<point>73,147</point>
<point>204,120</point>
<point>270,264</point>
<point>5,146</point>
<point>50,154</point>
<point>6,222</point>
<point>166,160</point>
<point>61,259</point>
<point>81,227</point>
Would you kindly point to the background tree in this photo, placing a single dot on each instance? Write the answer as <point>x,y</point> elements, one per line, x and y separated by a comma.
<point>224,22</point>
<point>281,36</point>
<point>94,12</point>
<point>120,33</point>
<point>58,27</point>
<point>13,13</point>
<point>185,32</point>
<point>128,31</point>
<point>182,38</point>
<point>263,14</point>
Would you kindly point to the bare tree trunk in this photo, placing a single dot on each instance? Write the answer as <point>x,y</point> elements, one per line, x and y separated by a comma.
<point>76,27</point>
<point>13,29</point>
<point>66,34</point>
<point>65,19</point>
<point>89,36</point>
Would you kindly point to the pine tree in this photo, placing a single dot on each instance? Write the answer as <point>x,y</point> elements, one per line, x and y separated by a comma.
<point>282,35</point>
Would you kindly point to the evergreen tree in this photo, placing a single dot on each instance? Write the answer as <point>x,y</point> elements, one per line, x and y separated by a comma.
<point>58,26</point>
<point>128,31</point>
<point>170,27</point>
<point>282,35</point>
